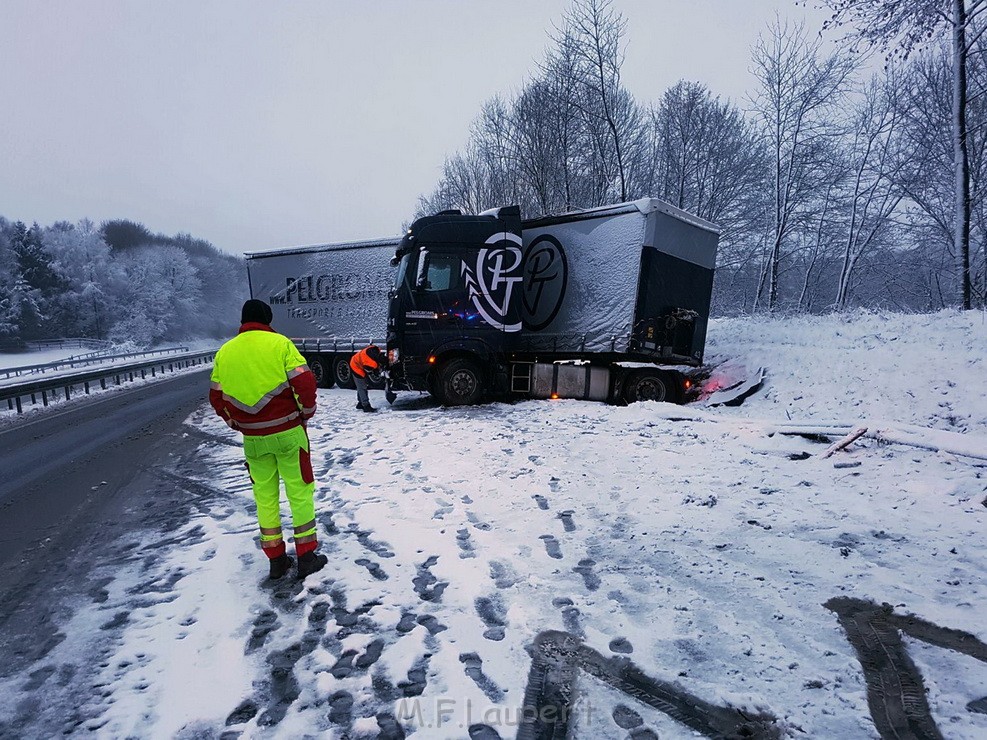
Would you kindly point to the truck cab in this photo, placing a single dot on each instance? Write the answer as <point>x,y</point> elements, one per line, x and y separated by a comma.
<point>599,304</point>
<point>455,305</point>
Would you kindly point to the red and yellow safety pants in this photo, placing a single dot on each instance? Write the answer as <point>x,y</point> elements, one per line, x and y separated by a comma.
<point>272,458</point>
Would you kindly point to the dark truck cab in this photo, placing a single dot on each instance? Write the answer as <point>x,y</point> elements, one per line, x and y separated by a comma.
<point>600,304</point>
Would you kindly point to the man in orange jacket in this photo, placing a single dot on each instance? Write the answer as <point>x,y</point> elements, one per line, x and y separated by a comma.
<point>368,358</point>
<point>262,387</point>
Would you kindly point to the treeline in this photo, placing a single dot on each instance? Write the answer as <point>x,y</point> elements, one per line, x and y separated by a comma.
<point>117,281</point>
<point>833,188</point>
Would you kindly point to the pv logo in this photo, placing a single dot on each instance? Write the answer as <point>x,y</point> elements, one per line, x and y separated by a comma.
<point>491,285</point>
<point>546,275</point>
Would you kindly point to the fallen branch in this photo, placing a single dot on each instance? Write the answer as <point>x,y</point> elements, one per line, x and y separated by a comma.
<point>845,442</point>
<point>964,445</point>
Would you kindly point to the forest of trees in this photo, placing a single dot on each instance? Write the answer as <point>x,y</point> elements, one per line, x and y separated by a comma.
<point>834,187</point>
<point>117,281</point>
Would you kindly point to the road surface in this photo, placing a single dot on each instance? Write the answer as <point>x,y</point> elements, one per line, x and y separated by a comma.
<point>72,481</point>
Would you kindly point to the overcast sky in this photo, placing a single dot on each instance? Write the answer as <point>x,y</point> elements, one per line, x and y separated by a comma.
<point>258,124</point>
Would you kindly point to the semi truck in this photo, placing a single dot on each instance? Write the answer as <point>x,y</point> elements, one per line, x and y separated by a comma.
<point>607,304</point>
<point>330,299</point>
<point>604,304</point>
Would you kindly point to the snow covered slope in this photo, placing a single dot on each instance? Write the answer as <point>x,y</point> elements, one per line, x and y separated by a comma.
<point>669,564</point>
<point>929,370</point>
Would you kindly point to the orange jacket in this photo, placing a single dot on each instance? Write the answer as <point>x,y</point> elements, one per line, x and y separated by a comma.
<point>361,362</point>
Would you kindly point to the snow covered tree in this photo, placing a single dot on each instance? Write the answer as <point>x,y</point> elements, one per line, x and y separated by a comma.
<point>37,286</point>
<point>901,26</point>
<point>162,296</point>
<point>594,32</point>
<point>873,193</point>
<point>93,280</point>
<point>799,91</point>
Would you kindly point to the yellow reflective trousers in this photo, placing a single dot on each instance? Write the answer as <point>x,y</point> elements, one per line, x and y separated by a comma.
<point>272,458</point>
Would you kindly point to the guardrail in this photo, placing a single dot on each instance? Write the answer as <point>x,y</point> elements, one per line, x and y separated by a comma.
<point>81,342</point>
<point>48,390</point>
<point>86,360</point>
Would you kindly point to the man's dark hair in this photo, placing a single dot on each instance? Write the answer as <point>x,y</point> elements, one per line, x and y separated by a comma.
<point>256,311</point>
<point>375,354</point>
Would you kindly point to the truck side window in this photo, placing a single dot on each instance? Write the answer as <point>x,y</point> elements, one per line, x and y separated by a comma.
<point>443,272</point>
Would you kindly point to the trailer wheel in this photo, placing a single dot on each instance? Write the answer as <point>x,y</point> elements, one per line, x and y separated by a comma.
<point>341,372</point>
<point>320,369</point>
<point>460,383</point>
<point>649,385</point>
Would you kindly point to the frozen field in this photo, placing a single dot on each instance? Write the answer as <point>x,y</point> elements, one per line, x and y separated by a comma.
<point>567,549</point>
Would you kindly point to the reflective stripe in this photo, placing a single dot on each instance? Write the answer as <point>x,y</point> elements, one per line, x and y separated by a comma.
<point>268,424</point>
<point>268,544</point>
<point>298,371</point>
<point>270,530</point>
<point>305,527</point>
<point>308,410</point>
<point>306,538</point>
<point>264,400</point>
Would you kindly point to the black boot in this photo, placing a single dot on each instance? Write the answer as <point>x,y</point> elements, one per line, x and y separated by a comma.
<point>280,565</point>
<point>359,406</point>
<point>311,562</point>
<point>368,408</point>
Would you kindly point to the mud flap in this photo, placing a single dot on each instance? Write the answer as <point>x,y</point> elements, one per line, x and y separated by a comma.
<point>390,395</point>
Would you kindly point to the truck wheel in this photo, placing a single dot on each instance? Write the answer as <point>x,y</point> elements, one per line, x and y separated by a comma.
<point>460,383</point>
<point>649,385</point>
<point>341,372</point>
<point>320,369</point>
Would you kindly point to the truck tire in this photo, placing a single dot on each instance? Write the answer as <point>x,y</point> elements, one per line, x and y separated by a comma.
<point>460,382</point>
<point>320,369</point>
<point>650,385</point>
<point>341,372</point>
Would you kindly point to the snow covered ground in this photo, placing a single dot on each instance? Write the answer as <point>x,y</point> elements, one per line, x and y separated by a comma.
<point>688,562</point>
<point>42,357</point>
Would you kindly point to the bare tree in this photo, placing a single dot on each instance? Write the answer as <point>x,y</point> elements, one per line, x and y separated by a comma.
<point>899,27</point>
<point>593,32</point>
<point>873,194</point>
<point>797,96</point>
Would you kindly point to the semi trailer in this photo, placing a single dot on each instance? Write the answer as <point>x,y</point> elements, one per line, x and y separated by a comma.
<point>606,304</point>
<point>330,299</point>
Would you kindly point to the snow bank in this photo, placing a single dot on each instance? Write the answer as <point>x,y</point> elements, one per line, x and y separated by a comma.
<point>926,370</point>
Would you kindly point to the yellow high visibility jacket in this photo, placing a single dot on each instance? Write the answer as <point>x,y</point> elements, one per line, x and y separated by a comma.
<point>260,382</point>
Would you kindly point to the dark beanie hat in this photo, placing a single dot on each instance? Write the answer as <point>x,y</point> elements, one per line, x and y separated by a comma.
<point>257,312</point>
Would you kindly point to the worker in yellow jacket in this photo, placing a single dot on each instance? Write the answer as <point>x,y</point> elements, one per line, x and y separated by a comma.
<point>262,387</point>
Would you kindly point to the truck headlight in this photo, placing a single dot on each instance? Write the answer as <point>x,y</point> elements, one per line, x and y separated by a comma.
<point>393,356</point>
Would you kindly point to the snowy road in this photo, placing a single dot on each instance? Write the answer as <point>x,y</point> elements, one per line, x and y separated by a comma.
<point>652,578</point>
<point>455,537</point>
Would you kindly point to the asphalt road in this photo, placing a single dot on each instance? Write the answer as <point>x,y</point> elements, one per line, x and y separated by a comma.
<point>72,482</point>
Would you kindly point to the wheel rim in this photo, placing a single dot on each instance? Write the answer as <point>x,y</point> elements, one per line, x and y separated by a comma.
<point>650,389</point>
<point>318,371</point>
<point>462,384</point>
<point>342,371</point>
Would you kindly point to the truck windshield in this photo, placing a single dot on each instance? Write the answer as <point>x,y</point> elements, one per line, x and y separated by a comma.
<point>402,271</point>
